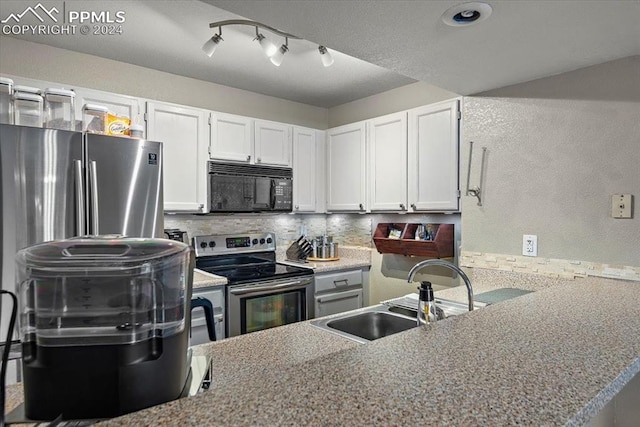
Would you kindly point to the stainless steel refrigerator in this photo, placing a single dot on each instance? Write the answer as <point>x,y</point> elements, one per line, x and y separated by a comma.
<point>58,184</point>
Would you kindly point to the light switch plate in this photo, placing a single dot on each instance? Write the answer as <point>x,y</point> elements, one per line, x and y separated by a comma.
<point>621,205</point>
<point>530,245</point>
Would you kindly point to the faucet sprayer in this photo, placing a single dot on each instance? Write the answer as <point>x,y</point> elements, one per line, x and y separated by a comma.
<point>419,266</point>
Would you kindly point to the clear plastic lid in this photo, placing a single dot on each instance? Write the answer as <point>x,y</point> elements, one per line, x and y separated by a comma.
<point>27,89</point>
<point>103,290</point>
<point>6,85</point>
<point>59,95</point>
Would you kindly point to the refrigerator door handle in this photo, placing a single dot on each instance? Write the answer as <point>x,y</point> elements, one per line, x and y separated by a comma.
<point>80,219</point>
<point>93,182</point>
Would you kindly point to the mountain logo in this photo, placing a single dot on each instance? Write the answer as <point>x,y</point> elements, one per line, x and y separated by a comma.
<point>34,11</point>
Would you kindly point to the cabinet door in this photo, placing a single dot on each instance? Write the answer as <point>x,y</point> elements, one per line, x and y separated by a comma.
<point>184,134</point>
<point>433,157</point>
<point>387,148</point>
<point>304,170</point>
<point>346,168</point>
<point>231,138</point>
<point>338,302</point>
<point>118,104</point>
<point>272,143</point>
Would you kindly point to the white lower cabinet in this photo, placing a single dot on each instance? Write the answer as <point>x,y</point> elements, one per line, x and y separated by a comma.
<point>339,292</point>
<point>184,133</point>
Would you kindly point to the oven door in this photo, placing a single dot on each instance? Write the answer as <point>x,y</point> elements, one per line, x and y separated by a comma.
<point>264,305</point>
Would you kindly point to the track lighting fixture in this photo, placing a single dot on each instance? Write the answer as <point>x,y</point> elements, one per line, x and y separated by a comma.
<point>325,56</point>
<point>269,48</point>
<point>210,45</point>
<point>275,54</point>
<point>277,58</point>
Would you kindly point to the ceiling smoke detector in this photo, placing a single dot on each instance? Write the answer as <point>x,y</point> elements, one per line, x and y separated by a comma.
<point>466,14</point>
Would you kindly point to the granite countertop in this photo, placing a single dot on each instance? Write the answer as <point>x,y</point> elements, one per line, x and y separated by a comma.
<point>552,357</point>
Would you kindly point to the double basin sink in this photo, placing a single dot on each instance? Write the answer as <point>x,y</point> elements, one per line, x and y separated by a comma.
<point>379,321</point>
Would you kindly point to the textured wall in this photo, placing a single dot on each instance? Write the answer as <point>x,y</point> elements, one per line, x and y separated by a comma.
<point>557,149</point>
<point>402,98</point>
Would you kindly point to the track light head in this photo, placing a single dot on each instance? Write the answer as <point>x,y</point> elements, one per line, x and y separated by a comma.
<point>277,58</point>
<point>210,45</point>
<point>325,56</point>
<point>269,48</point>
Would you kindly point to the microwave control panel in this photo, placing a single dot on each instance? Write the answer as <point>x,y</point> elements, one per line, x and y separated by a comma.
<point>283,194</point>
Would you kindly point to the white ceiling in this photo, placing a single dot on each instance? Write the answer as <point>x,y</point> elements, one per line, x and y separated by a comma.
<point>520,41</point>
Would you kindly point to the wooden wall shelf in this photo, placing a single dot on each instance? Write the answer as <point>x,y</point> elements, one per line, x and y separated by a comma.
<point>441,245</point>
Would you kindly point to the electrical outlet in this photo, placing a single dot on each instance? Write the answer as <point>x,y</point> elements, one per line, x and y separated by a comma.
<point>530,245</point>
<point>621,205</point>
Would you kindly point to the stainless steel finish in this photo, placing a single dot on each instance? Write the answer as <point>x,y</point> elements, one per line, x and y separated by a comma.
<point>259,290</point>
<point>235,301</point>
<point>219,245</point>
<point>45,196</point>
<point>93,191</point>
<point>365,325</point>
<point>130,194</point>
<point>37,194</point>
<point>80,199</point>
<point>475,190</point>
<point>400,307</point>
<point>419,266</point>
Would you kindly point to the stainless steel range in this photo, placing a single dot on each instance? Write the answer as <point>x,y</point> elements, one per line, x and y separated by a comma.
<point>261,293</point>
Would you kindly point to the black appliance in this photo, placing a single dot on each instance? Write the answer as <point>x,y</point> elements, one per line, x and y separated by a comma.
<point>249,188</point>
<point>261,293</point>
<point>176,234</point>
<point>104,325</point>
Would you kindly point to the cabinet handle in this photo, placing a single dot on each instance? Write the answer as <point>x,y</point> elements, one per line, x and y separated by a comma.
<point>361,206</point>
<point>413,206</point>
<point>402,206</point>
<point>248,158</point>
<point>297,207</point>
<point>258,160</point>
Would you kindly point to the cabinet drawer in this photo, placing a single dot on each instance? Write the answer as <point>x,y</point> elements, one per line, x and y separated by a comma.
<point>337,281</point>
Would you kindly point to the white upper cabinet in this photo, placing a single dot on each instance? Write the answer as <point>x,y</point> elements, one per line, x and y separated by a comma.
<point>117,104</point>
<point>387,151</point>
<point>231,138</point>
<point>272,143</point>
<point>304,169</point>
<point>346,171</point>
<point>185,136</point>
<point>433,157</point>
<point>243,139</point>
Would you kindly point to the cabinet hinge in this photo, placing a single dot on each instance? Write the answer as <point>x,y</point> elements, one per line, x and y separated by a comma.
<point>145,116</point>
<point>459,115</point>
<point>458,194</point>
<point>209,119</point>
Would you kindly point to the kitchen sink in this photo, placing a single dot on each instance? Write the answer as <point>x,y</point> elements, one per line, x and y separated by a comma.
<point>373,324</point>
<point>379,321</point>
<point>366,325</point>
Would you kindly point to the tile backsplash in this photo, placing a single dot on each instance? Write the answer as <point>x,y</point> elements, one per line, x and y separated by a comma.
<point>559,268</point>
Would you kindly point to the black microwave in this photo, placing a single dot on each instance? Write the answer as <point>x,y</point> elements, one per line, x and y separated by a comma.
<point>249,188</point>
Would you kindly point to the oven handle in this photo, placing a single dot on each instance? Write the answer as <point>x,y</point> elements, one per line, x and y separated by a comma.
<point>248,290</point>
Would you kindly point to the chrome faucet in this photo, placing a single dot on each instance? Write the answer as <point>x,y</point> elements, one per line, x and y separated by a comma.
<point>443,263</point>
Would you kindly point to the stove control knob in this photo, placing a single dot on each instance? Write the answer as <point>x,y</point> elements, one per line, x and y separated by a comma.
<point>203,245</point>
<point>255,241</point>
<point>212,244</point>
<point>262,241</point>
<point>269,240</point>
